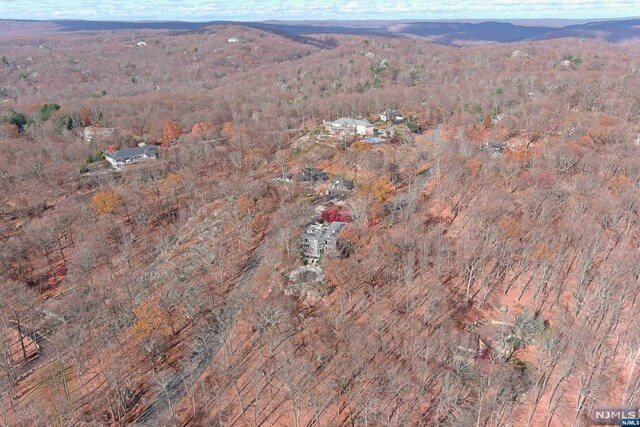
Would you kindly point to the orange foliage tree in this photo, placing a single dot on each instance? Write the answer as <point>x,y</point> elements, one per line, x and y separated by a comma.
<point>517,155</point>
<point>201,128</point>
<point>171,131</point>
<point>245,205</point>
<point>487,121</point>
<point>476,134</point>
<point>361,145</point>
<point>510,227</point>
<point>227,129</point>
<point>379,189</point>
<point>171,182</point>
<point>151,318</point>
<point>258,224</point>
<point>104,201</point>
<point>474,166</point>
<point>9,131</point>
<point>617,182</point>
<point>85,117</point>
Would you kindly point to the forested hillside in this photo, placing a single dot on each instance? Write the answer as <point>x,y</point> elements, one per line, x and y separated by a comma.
<point>487,273</point>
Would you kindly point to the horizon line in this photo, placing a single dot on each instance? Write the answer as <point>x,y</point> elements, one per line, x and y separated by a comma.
<point>318,20</point>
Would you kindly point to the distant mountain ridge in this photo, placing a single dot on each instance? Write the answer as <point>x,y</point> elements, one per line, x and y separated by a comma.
<point>503,32</point>
<point>443,32</point>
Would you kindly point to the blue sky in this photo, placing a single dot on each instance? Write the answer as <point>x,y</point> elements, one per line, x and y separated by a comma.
<point>250,10</point>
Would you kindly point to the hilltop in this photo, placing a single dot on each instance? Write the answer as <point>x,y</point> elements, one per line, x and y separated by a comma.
<point>463,32</point>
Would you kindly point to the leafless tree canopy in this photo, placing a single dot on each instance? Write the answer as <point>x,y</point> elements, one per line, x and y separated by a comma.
<point>489,273</point>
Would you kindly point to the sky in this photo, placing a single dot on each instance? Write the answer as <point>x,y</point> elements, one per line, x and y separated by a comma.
<point>258,10</point>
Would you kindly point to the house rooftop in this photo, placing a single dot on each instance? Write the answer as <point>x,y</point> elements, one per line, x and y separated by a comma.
<point>314,230</point>
<point>341,181</point>
<point>335,227</point>
<point>314,175</point>
<point>349,122</point>
<point>126,153</point>
<point>326,230</point>
<point>373,140</point>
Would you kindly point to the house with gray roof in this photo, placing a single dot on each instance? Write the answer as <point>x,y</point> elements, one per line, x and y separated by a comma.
<point>314,175</point>
<point>340,184</point>
<point>349,126</point>
<point>320,238</point>
<point>119,159</point>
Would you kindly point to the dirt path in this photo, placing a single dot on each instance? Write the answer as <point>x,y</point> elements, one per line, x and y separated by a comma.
<point>156,412</point>
<point>436,136</point>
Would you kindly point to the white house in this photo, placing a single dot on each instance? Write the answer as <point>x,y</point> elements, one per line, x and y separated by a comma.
<point>234,40</point>
<point>350,126</point>
<point>120,158</point>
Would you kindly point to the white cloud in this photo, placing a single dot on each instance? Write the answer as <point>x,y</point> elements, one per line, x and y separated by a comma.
<point>318,9</point>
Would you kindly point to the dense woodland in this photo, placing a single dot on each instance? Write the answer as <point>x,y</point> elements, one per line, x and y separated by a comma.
<point>154,295</point>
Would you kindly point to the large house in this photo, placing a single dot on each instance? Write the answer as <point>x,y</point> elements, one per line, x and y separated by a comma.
<point>120,158</point>
<point>349,126</point>
<point>319,238</point>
